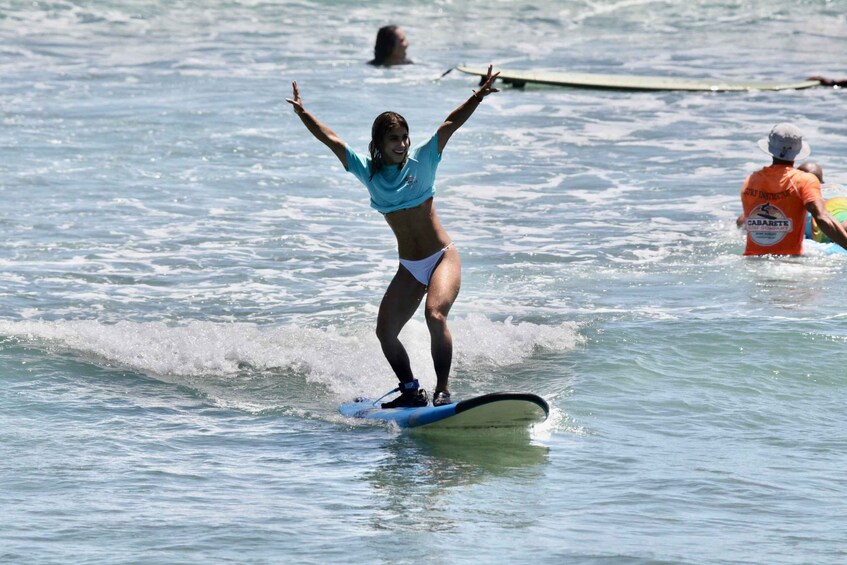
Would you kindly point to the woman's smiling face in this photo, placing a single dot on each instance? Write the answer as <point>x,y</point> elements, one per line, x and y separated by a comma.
<point>395,145</point>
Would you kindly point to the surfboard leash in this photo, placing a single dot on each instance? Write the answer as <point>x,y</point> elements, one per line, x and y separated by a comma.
<point>386,394</point>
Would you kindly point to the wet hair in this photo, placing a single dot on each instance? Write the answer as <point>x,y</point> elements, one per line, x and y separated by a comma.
<point>386,40</point>
<point>383,124</point>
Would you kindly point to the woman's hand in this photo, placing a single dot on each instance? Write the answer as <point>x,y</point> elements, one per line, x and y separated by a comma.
<point>486,88</point>
<point>296,102</point>
<point>461,114</point>
<point>316,128</point>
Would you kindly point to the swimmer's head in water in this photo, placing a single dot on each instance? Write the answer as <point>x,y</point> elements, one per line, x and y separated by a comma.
<point>813,168</point>
<point>390,47</point>
<point>389,141</point>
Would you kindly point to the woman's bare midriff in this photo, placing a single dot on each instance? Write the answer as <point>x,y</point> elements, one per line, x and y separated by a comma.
<point>418,231</point>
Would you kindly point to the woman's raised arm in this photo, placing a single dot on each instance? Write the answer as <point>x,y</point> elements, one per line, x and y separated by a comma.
<point>318,129</point>
<point>461,114</point>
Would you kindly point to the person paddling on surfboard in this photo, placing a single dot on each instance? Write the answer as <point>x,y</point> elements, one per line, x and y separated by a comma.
<point>401,183</point>
<point>776,199</point>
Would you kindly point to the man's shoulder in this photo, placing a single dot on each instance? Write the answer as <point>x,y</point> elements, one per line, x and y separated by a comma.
<point>805,179</point>
<point>803,175</point>
<point>757,174</point>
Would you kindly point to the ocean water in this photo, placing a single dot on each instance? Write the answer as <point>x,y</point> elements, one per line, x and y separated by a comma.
<point>189,285</point>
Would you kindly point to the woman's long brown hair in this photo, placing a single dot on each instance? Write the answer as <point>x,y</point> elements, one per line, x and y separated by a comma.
<point>386,40</point>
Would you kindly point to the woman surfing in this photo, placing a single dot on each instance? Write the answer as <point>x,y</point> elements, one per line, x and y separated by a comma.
<point>401,183</point>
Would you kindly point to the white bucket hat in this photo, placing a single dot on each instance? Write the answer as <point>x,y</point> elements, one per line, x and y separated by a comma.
<point>785,142</point>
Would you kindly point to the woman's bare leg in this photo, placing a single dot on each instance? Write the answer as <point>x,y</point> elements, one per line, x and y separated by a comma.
<point>399,304</point>
<point>442,292</point>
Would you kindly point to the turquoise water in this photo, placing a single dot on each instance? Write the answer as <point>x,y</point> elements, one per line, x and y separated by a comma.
<point>189,284</point>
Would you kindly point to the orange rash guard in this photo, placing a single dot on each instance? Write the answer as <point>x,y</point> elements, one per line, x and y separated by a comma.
<point>774,201</point>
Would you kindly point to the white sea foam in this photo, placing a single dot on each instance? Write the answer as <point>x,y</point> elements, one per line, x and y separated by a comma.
<point>347,362</point>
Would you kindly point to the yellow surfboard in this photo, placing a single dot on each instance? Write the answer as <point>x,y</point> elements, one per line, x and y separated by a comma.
<point>838,208</point>
<point>631,82</point>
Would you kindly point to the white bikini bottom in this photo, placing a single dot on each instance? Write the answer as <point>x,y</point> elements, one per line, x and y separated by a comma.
<point>422,268</point>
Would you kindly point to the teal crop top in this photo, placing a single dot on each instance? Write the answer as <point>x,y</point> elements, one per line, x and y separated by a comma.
<point>394,188</point>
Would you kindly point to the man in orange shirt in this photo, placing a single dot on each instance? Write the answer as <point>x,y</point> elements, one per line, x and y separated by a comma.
<point>776,199</point>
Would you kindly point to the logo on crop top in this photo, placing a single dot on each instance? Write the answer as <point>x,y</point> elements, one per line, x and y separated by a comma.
<point>767,224</point>
<point>410,181</point>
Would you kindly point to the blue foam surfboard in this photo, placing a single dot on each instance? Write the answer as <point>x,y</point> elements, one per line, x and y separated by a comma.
<point>495,410</point>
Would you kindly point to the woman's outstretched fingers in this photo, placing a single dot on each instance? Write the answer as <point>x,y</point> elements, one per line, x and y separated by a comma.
<point>296,102</point>
<point>489,81</point>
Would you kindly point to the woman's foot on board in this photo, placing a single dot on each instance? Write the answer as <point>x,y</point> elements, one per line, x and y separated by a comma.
<point>411,396</point>
<point>441,398</point>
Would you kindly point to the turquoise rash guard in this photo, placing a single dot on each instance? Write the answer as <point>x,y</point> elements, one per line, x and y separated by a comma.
<point>393,187</point>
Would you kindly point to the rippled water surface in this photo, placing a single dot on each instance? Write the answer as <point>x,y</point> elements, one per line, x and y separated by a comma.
<point>189,285</point>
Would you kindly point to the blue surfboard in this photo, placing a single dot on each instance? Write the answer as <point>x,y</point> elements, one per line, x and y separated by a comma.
<point>495,410</point>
